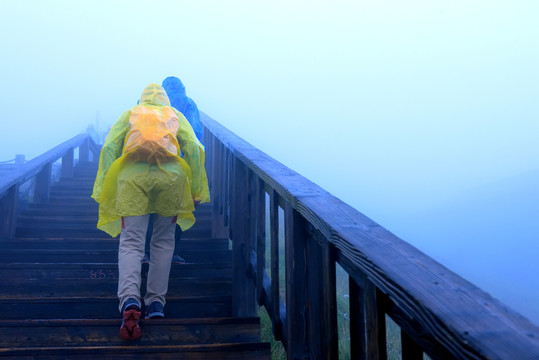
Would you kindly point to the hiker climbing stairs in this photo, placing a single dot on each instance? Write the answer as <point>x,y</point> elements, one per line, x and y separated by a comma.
<point>59,281</point>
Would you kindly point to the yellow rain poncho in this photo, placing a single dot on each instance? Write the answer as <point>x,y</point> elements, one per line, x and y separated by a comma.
<point>132,183</point>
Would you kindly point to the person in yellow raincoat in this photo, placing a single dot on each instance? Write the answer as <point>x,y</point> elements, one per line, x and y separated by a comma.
<point>136,178</point>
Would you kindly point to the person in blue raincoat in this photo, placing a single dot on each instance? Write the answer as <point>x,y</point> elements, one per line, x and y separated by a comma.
<point>184,104</point>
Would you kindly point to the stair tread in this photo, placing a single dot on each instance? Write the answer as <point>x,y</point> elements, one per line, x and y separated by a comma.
<point>58,298</point>
<point>199,351</point>
<point>107,322</point>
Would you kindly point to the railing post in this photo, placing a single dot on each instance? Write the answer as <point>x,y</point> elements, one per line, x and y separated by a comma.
<point>243,291</point>
<point>43,184</point>
<point>260,206</point>
<point>311,303</point>
<point>367,322</point>
<point>227,189</point>
<point>322,328</point>
<point>217,176</point>
<point>8,209</point>
<point>296,236</point>
<point>214,177</point>
<point>84,150</point>
<point>274,246</point>
<point>67,164</point>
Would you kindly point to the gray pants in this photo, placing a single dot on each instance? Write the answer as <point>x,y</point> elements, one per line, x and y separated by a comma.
<point>131,251</point>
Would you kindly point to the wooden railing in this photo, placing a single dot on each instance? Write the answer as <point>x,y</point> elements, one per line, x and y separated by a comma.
<point>439,313</point>
<point>40,169</point>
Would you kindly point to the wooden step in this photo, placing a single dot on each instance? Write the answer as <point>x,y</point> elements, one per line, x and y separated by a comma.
<point>45,231</point>
<point>107,307</point>
<point>92,207</point>
<point>224,351</point>
<point>83,220</point>
<point>48,209</point>
<point>105,270</point>
<point>83,180</point>
<point>72,201</point>
<point>72,184</point>
<point>97,287</point>
<point>93,332</point>
<point>71,193</point>
<point>65,207</point>
<point>186,244</point>
<point>100,256</point>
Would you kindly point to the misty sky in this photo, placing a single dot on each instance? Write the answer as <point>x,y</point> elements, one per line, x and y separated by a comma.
<point>396,107</point>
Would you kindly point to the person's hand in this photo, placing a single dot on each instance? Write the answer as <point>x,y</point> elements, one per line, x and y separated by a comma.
<point>196,202</point>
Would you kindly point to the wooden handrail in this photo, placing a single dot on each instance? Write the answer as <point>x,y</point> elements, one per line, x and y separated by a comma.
<point>40,168</point>
<point>439,312</point>
<point>34,166</point>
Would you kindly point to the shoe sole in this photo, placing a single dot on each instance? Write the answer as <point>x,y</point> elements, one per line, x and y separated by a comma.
<point>130,329</point>
<point>155,315</point>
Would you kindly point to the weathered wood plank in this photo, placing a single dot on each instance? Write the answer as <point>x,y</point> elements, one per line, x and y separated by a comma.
<point>243,293</point>
<point>106,270</point>
<point>32,167</point>
<point>296,236</point>
<point>43,184</point>
<point>358,343</point>
<point>107,307</point>
<point>228,187</point>
<point>224,351</point>
<point>275,281</point>
<point>462,318</point>
<point>215,179</point>
<point>68,163</point>
<point>102,287</point>
<point>77,333</point>
<point>321,315</point>
<point>8,209</point>
<point>88,255</point>
<point>84,150</point>
<point>260,214</point>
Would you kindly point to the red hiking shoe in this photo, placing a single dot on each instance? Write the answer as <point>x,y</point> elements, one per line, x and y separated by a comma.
<point>130,329</point>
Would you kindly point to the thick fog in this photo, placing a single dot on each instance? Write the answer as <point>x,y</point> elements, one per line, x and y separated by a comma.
<point>423,115</point>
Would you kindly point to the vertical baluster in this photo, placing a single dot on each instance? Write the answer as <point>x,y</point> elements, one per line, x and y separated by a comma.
<point>260,240</point>
<point>274,238</point>
<point>84,150</point>
<point>67,164</point>
<point>296,287</point>
<point>251,213</point>
<point>410,349</point>
<point>43,184</point>
<point>322,300</point>
<point>375,323</point>
<point>208,150</point>
<point>357,322</point>
<point>367,321</point>
<point>8,209</point>
<point>216,177</point>
<point>222,182</point>
<point>243,292</point>
<point>228,188</point>
<point>208,161</point>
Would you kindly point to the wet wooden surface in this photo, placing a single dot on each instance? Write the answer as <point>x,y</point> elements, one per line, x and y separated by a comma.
<point>58,294</point>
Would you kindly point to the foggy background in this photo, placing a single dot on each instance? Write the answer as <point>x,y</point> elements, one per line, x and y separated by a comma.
<point>423,115</point>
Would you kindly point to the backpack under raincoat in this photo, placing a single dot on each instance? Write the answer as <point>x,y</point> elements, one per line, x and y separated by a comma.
<point>131,182</point>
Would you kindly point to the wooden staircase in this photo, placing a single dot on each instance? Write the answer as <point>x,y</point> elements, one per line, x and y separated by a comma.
<point>59,280</point>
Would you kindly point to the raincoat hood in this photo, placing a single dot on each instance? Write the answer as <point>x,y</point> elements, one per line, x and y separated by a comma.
<point>173,85</point>
<point>155,95</point>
